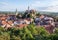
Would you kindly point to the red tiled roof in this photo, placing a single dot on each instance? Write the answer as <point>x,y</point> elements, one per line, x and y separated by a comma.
<point>10,22</point>
<point>22,25</point>
<point>3,18</point>
<point>49,28</point>
<point>4,22</point>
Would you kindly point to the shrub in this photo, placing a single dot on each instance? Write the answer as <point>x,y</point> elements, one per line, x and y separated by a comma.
<point>30,32</point>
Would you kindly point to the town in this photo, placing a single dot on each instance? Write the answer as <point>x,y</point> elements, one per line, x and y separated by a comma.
<point>29,17</point>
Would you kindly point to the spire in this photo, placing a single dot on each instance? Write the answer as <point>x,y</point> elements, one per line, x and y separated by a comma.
<point>16,12</point>
<point>28,9</point>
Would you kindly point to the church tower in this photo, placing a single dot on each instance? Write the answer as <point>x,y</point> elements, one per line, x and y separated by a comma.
<point>16,12</point>
<point>28,9</point>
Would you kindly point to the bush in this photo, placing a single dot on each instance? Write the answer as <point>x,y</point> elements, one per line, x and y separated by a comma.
<point>30,32</point>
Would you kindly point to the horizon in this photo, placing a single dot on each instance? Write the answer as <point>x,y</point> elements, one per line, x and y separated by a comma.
<point>22,5</point>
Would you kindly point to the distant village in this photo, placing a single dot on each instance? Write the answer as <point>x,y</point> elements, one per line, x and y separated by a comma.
<point>29,17</point>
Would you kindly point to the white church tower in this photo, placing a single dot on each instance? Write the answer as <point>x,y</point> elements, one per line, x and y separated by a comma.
<point>16,12</point>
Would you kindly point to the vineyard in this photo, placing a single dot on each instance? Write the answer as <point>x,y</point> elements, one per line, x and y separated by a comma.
<point>30,32</point>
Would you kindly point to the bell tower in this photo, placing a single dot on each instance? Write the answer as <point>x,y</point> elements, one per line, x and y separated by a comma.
<point>28,9</point>
<point>16,12</point>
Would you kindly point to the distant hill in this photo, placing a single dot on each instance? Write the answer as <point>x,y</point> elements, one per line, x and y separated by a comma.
<point>22,12</point>
<point>49,13</point>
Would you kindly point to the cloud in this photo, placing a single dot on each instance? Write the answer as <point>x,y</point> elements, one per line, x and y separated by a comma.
<point>49,5</point>
<point>38,5</point>
<point>4,6</point>
<point>43,5</point>
<point>3,3</point>
<point>53,7</point>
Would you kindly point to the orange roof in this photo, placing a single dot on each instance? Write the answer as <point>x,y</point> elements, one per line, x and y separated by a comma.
<point>4,22</point>
<point>22,25</point>
<point>10,22</point>
<point>3,18</point>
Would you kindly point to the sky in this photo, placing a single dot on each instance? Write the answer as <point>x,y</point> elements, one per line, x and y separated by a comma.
<point>22,5</point>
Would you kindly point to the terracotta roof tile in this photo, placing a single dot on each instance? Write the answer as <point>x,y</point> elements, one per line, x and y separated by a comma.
<point>3,18</point>
<point>4,22</point>
<point>10,22</point>
<point>22,25</point>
